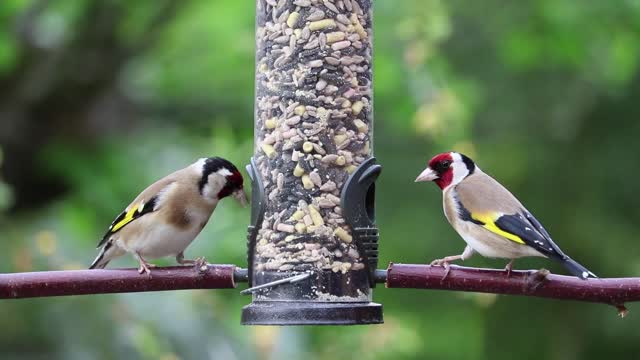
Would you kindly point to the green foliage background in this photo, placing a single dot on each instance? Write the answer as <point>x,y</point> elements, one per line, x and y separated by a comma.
<point>100,98</point>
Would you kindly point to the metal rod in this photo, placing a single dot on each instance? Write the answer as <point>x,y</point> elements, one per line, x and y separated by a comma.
<point>612,291</point>
<point>241,275</point>
<point>290,280</point>
<point>84,282</point>
<point>380,276</point>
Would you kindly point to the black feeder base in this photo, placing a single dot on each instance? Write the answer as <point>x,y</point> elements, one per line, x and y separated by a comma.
<point>311,313</point>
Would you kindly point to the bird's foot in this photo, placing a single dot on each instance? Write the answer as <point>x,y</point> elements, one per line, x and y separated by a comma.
<point>439,262</point>
<point>186,261</point>
<point>200,264</point>
<point>445,262</point>
<point>145,268</point>
<point>509,267</point>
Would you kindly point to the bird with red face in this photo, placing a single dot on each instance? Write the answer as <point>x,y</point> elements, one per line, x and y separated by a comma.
<point>488,217</point>
<point>168,215</point>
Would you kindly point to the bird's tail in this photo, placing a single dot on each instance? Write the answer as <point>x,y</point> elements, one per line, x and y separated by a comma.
<point>99,263</point>
<point>577,269</point>
<point>103,257</point>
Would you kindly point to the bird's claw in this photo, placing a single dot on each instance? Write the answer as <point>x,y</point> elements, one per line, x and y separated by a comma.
<point>444,263</point>
<point>508,268</point>
<point>145,268</point>
<point>447,268</point>
<point>200,264</point>
<point>440,262</point>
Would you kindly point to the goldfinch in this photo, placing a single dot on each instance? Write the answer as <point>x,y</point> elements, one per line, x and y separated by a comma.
<point>488,217</point>
<point>165,218</point>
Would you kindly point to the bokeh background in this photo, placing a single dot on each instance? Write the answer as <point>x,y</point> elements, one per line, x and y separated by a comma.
<point>100,98</point>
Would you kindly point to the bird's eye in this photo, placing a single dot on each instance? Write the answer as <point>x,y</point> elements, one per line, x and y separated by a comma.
<point>445,164</point>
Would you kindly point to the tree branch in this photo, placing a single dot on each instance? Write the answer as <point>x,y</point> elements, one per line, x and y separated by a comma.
<point>614,291</point>
<point>84,282</point>
<point>539,283</point>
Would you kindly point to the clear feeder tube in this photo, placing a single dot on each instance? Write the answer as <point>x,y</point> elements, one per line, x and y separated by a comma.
<point>313,130</point>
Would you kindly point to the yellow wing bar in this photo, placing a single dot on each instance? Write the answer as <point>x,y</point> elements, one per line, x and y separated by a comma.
<point>489,219</point>
<point>128,217</point>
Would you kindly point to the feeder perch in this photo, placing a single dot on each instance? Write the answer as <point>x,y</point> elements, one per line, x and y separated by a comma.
<point>313,242</point>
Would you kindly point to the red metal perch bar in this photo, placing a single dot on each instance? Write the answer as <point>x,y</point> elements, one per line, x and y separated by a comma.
<point>612,291</point>
<point>84,282</point>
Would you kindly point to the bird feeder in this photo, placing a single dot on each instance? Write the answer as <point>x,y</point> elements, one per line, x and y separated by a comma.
<point>313,242</point>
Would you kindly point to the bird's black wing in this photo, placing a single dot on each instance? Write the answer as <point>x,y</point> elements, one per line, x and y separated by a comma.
<point>126,217</point>
<point>528,228</point>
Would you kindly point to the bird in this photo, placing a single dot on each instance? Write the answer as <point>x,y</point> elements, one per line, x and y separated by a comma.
<point>488,217</point>
<point>168,215</point>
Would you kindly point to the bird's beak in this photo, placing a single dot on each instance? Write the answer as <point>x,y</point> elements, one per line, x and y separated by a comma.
<point>427,175</point>
<point>241,196</point>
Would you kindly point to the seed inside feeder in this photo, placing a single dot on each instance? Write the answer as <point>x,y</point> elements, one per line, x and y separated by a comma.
<point>313,127</point>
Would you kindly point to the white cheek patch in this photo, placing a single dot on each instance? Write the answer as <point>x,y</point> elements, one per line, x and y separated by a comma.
<point>214,184</point>
<point>460,170</point>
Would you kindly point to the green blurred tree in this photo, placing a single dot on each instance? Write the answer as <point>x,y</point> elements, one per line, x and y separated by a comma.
<point>99,98</point>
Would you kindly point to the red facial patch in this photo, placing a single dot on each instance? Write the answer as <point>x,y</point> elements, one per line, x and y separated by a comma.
<point>440,158</point>
<point>236,178</point>
<point>234,182</point>
<point>445,172</point>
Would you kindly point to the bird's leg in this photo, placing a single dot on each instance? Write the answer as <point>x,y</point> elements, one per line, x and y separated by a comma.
<point>468,251</point>
<point>144,265</point>
<point>509,267</point>
<point>182,261</point>
<point>197,262</point>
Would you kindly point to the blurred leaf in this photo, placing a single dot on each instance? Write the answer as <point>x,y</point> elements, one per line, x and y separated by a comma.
<point>8,55</point>
<point>542,94</point>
